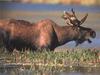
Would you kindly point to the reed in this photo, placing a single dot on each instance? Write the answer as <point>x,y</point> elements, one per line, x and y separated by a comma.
<point>52,60</point>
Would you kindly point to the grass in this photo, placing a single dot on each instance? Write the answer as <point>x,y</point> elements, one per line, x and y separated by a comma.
<point>52,60</point>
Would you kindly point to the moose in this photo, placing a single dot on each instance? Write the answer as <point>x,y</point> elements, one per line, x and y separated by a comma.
<point>45,34</point>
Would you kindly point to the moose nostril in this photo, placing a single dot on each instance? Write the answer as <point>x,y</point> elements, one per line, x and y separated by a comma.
<point>93,34</point>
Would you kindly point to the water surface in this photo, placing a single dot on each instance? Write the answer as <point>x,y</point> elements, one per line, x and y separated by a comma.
<point>67,71</point>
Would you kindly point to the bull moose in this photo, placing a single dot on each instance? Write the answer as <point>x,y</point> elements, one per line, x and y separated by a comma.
<point>45,34</point>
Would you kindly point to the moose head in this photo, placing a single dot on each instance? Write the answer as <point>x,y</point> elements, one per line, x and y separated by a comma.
<point>85,34</point>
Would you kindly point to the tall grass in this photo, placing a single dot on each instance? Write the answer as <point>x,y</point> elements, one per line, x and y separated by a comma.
<point>51,60</point>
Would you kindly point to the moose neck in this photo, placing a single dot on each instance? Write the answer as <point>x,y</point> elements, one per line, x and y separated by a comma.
<point>66,34</point>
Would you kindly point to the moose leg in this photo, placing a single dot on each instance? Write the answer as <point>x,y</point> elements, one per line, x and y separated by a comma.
<point>8,45</point>
<point>9,48</point>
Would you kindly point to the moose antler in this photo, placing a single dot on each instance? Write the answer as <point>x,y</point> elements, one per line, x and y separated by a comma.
<point>66,16</point>
<point>84,18</point>
<point>73,19</point>
<point>73,12</point>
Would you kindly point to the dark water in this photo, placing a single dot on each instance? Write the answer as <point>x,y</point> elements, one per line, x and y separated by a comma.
<point>75,71</point>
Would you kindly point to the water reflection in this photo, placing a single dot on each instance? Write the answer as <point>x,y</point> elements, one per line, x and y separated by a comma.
<point>66,71</point>
<point>9,71</point>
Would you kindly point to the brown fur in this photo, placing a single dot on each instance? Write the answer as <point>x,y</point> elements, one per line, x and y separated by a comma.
<point>47,34</point>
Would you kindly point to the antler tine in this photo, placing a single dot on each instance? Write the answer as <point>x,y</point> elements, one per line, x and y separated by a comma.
<point>65,15</point>
<point>73,13</point>
<point>84,18</point>
<point>64,12</point>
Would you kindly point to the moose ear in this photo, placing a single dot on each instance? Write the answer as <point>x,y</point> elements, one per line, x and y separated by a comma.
<point>84,18</point>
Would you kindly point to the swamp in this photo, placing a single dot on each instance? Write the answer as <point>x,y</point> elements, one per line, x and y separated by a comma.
<point>65,60</point>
